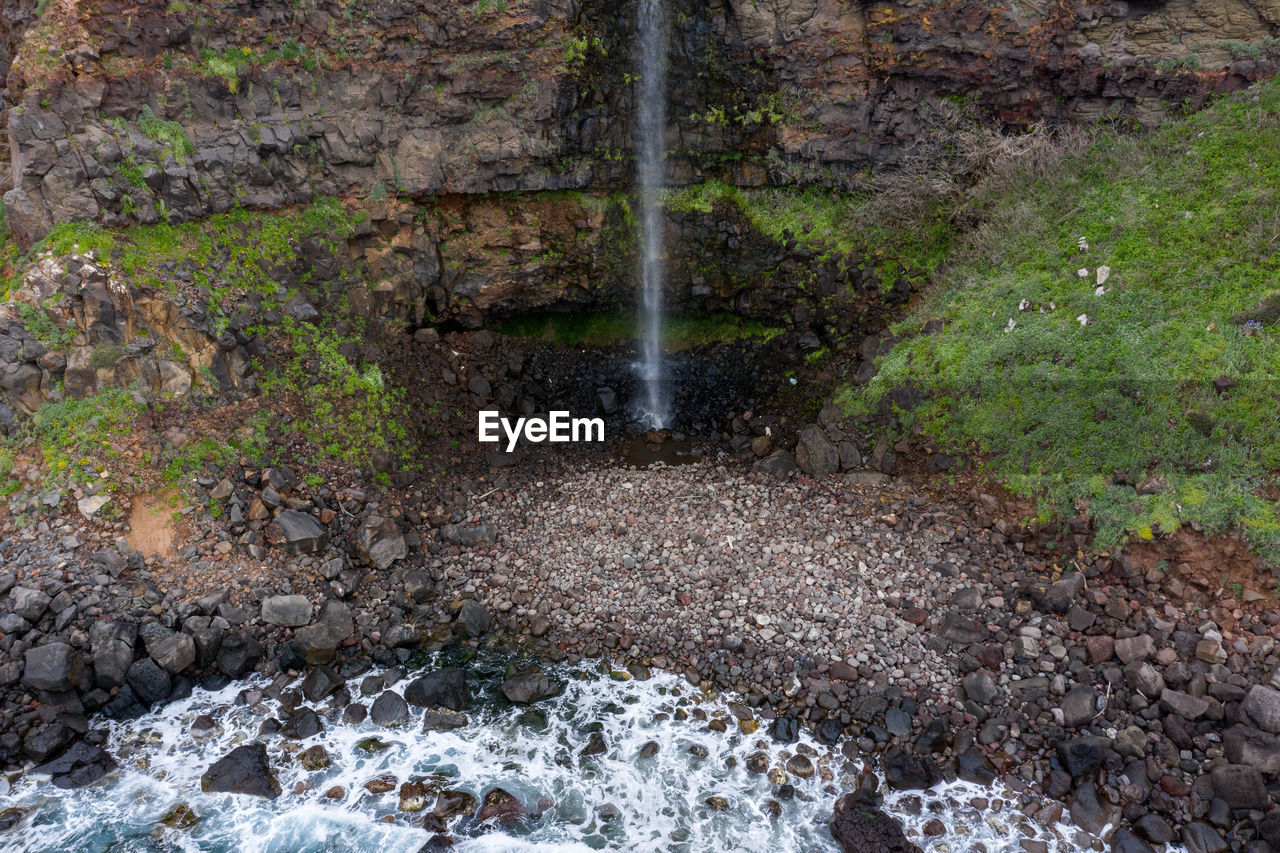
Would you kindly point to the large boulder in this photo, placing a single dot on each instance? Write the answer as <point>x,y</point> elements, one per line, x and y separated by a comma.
<point>1262,704</point>
<point>380,542</point>
<point>80,765</point>
<point>473,620</point>
<point>446,688</point>
<point>530,687</point>
<point>150,683</point>
<point>859,826</point>
<point>389,710</point>
<point>174,653</point>
<point>815,454</point>
<point>244,770</point>
<point>287,611</point>
<point>238,653</point>
<point>53,667</point>
<point>317,642</point>
<point>303,534</point>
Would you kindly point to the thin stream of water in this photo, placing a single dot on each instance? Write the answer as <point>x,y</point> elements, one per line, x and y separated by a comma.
<point>654,410</point>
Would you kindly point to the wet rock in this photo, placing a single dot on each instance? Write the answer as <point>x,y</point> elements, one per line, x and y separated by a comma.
<point>595,745</point>
<point>389,710</point>
<point>1153,828</point>
<point>314,758</point>
<point>443,720</point>
<point>288,611</point>
<point>499,805</point>
<point>238,653</point>
<point>47,741</point>
<point>1081,756</point>
<point>303,534</point>
<point>244,770</point>
<point>181,816</point>
<point>301,724</point>
<point>800,766</point>
<point>150,683</point>
<point>321,682</point>
<point>861,827</point>
<point>973,766</point>
<point>1202,838</point>
<point>381,784</point>
<point>905,772</point>
<point>473,620</point>
<point>450,804</point>
<point>445,687</point>
<point>530,687</point>
<point>1088,811</point>
<point>82,764</point>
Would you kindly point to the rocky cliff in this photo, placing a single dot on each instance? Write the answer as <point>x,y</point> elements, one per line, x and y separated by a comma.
<point>167,110</point>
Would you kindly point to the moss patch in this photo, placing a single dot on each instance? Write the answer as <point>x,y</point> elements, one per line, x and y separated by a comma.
<point>845,226</point>
<point>606,329</point>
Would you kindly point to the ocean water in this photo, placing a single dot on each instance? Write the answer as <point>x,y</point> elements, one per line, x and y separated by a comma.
<point>613,801</point>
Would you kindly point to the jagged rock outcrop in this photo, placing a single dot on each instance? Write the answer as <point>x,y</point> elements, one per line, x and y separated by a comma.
<point>137,112</point>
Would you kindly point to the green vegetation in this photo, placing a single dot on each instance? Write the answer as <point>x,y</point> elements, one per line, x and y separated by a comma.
<point>605,329</point>
<point>230,63</point>
<point>250,443</point>
<point>347,411</point>
<point>168,133</point>
<point>228,255</point>
<point>1104,401</point>
<point>844,225</point>
<point>76,439</point>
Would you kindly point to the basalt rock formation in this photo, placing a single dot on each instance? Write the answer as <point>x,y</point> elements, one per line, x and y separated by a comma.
<point>140,111</point>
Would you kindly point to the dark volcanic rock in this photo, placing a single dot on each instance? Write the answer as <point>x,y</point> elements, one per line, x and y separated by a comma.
<point>317,642</point>
<point>150,683</point>
<point>51,667</point>
<point>389,709</point>
<point>860,827</point>
<point>302,533</point>
<point>530,687</point>
<point>905,772</point>
<point>80,765</point>
<point>244,770</point>
<point>445,687</point>
<point>238,653</point>
<point>473,620</point>
<point>501,806</point>
<point>1081,756</point>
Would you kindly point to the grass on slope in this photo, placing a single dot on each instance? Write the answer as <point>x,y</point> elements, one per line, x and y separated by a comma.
<point>1078,397</point>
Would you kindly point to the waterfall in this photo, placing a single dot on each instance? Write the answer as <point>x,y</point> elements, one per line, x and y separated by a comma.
<point>654,409</point>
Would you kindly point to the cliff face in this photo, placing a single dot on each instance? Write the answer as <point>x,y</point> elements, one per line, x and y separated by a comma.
<point>136,111</point>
